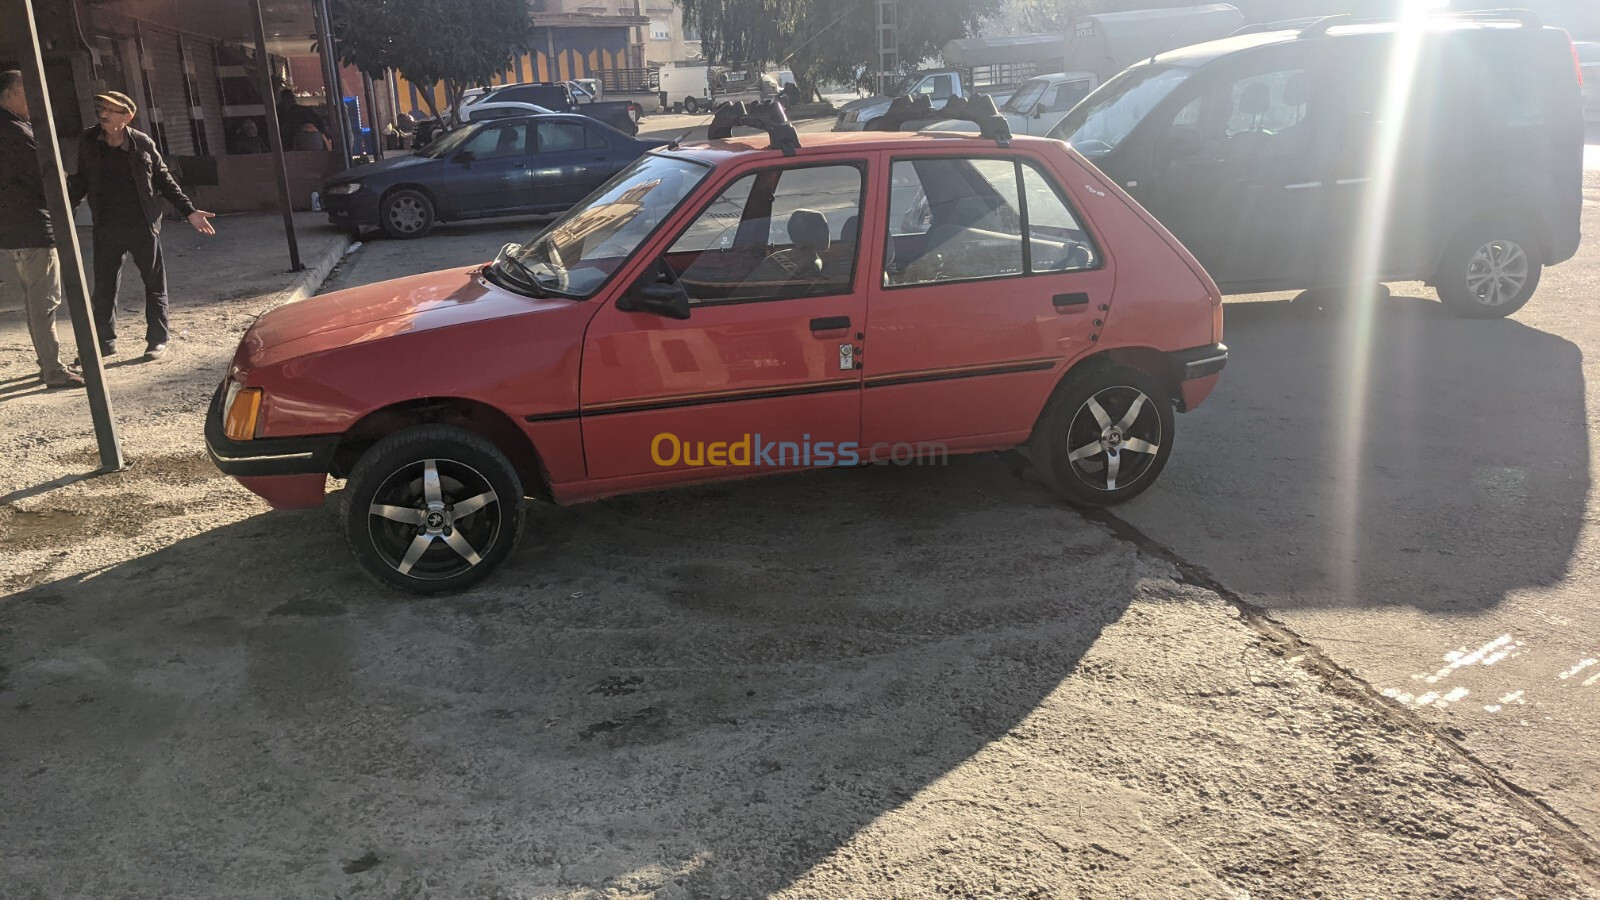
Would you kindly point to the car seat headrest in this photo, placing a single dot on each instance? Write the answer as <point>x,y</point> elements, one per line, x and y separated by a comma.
<point>808,229</point>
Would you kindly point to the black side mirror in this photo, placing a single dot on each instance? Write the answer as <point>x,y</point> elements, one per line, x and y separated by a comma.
<point>660,298</point>
<point>464,157</point>
<point>1038,110</point>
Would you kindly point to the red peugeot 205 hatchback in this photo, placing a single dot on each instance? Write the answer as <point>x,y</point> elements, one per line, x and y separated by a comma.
<point>731,308</point>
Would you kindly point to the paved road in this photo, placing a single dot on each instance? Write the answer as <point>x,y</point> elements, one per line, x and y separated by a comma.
<point>1417,498</point>
<point>1414,497</point>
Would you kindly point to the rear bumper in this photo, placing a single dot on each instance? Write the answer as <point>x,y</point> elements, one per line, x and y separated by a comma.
<point>1196,371</point>
<point>286,472</point>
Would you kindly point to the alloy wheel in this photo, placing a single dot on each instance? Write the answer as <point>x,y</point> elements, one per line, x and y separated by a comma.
<point>1497,272</point>
<point>434,519</point>
<point>1114,438</point>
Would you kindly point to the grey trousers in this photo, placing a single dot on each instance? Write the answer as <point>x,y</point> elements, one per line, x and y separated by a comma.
<point>39,274</point>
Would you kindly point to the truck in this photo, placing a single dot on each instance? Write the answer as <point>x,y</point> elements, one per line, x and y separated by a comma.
<point>697,88</point>
<point>1037,105</point>
<point>622,115</point>
<point>1098,46</point>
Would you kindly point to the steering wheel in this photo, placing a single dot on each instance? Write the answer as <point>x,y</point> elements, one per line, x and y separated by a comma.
<point>1076,257</point>
<point>558,268</point>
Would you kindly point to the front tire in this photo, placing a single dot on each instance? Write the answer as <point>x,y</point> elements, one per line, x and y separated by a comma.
<point>432,509</point>
<point>1104,437</point>
<point>691,105</point>
<point>1489,273</point>
<point>407,214</point>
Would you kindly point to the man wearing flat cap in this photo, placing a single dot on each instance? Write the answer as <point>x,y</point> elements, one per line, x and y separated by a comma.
<point>122,173</point>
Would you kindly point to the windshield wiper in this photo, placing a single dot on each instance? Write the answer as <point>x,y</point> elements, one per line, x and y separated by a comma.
<point>532,279</point>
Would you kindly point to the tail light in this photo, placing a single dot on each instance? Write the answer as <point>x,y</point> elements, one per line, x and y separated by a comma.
<point>1577,64</point>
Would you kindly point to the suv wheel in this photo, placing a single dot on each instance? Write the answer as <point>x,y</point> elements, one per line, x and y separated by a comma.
<point>432,509</point>
<point>1104,437</point>
<point>407,214</point>
<point>1489,273</point>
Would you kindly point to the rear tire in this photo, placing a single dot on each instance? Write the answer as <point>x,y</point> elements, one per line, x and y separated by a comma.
<point>1104,437</point>
<point>691,105</point>
<point>1489,272</point>
<point>432,509</point>
<point>407,214</point>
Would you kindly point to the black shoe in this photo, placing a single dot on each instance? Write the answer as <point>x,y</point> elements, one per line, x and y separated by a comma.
<point>108,348</point>
<point>155,351</point>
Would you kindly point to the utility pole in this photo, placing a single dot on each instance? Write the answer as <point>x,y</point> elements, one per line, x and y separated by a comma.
<point>67,248</point>
<point>888,45</point>
<point>269,102</point>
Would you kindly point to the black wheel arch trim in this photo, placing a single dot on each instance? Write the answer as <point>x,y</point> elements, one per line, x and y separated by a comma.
<point>1198,362</point>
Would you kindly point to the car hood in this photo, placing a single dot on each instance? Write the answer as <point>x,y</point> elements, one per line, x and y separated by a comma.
<point>369,170</point>
<point>865,103</point>
<point>375,311</point>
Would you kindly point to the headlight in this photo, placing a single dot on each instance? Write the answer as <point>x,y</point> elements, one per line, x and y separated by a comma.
<point>349,187</point>
<point>240,409</point>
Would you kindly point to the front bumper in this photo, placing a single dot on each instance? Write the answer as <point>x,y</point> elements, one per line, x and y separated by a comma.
<point>360,208</point>
<point>308,455</point>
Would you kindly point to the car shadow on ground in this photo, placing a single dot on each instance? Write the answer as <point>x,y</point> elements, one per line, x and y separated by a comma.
<point>710,689</point>
<point>1448,468</point>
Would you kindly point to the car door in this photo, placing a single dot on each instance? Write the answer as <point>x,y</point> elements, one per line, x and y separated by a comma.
<point>488,174</point>
<point>1235,173</point>
<point>967,322</point>
<point>765,360</point>
<point>566,166</point>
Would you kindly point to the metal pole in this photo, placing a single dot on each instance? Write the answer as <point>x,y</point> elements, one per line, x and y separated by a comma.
<point>333,88</point>
<point>269,102</point>
<point>372,115</point>
<point>72,279</point>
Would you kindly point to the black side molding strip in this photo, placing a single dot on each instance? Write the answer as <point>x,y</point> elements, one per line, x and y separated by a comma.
<point>917,378</point>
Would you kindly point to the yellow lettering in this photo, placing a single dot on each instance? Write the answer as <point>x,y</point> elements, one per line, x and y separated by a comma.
<point>733,457</point>
<point>655,449</point>
<point>696,460</point>
<point>717,454</point>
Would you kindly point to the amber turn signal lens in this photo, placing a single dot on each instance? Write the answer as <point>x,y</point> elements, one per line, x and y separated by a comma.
<point>240,424</point>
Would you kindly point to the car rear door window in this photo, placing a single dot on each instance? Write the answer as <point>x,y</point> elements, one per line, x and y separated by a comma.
<point>558,137</point>
<point>953,219</point>
<point>499,142</point>
<point>774,234</point>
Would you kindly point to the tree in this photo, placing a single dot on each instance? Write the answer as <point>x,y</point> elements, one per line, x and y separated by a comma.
<point>458,42</point>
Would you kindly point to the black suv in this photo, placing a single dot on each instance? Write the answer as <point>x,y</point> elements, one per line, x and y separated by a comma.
<point>1352,152</point>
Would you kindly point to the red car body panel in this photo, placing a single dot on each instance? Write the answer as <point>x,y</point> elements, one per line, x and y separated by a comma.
<point>591,386</point>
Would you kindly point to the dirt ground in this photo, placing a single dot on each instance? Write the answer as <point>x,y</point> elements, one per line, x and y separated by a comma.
<point>883,682</point>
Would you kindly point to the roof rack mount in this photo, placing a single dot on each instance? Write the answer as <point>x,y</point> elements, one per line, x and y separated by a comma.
<point>762,115</point>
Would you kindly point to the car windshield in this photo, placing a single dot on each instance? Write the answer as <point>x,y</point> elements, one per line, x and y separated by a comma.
<point>1097,125</point>
<point>575,255</point>
<point>1026,96</point>
<point>446,144</point>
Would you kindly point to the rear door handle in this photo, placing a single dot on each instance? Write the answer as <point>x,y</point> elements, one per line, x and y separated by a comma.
<point>830,323</point>
<point>1068,302</point>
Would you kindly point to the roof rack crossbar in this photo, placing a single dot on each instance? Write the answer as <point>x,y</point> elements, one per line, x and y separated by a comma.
<point>979,110</point>
<point>1317,27</point>
<point>762,115</point>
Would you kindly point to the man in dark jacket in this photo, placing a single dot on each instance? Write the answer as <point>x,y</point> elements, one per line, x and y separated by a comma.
<point>25,236</point>
<point>122,173</point>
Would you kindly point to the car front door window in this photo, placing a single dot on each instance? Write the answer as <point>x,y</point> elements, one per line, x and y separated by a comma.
<point>773,235</point>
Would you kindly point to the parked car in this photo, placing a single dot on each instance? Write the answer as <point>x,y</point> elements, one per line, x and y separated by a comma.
<point>726,309</point>
<point>1036,106</point>
<point>622,115</point>
<point>484,112</point>
<point>502,167</point>
<point>1262,153</point>
<point>1589,65</point>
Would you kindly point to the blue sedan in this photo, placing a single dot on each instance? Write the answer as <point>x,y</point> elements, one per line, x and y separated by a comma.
<point>504,167</point>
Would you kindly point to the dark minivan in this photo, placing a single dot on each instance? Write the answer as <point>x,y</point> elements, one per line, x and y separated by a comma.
<point>1344,153</point>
